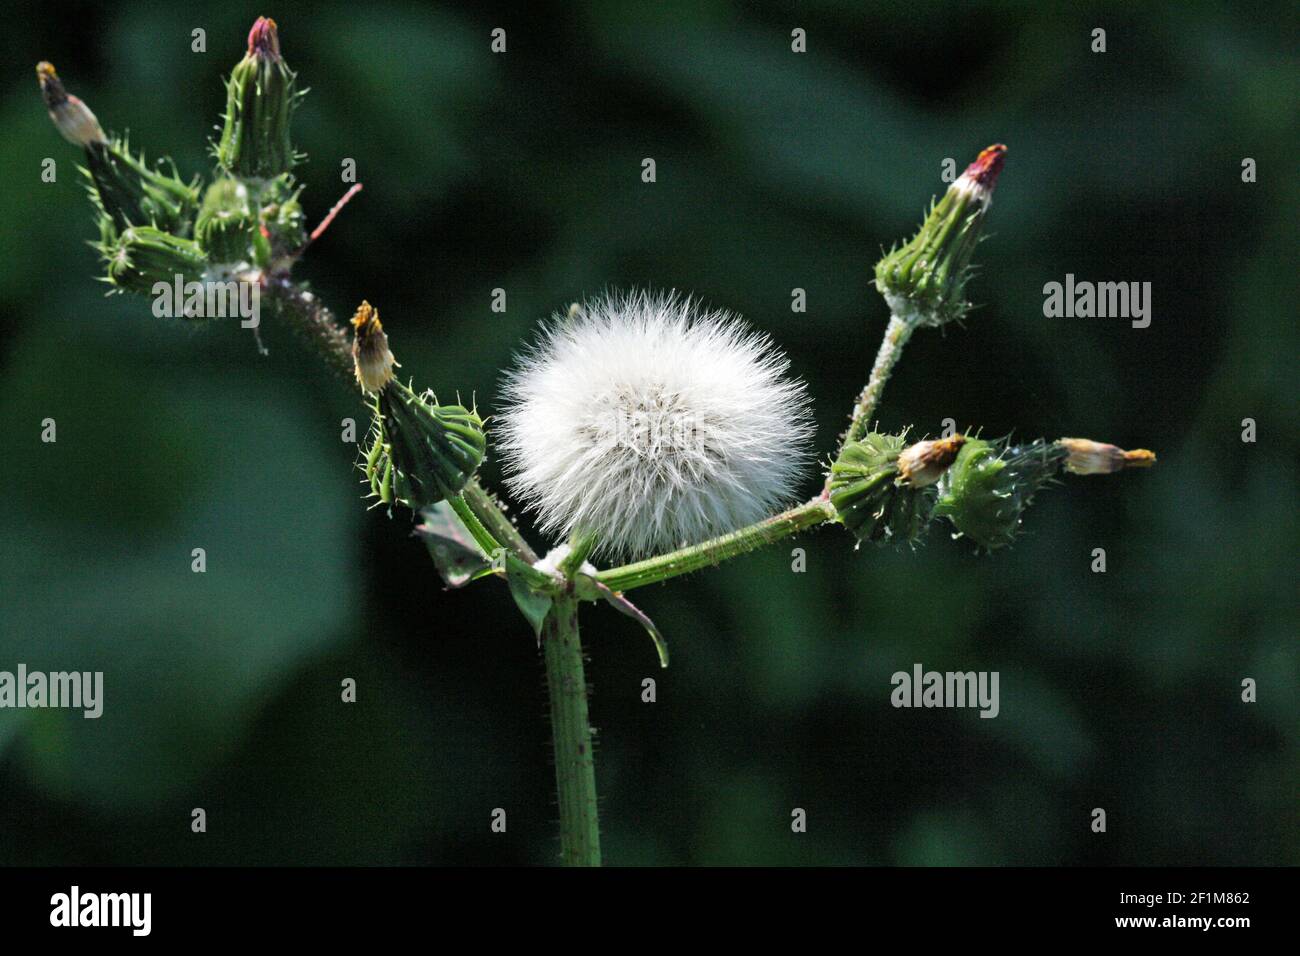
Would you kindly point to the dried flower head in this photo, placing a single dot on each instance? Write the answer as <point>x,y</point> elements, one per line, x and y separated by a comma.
<point>1089,457</point>
<point>371,357</point>
<point>71,116</point>
<point>652,423</point>
<point>925,462</point>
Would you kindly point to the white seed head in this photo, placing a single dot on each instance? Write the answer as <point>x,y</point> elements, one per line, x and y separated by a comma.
<point>652,424</point>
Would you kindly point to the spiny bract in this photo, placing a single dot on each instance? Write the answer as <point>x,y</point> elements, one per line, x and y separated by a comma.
<point>652,424</point>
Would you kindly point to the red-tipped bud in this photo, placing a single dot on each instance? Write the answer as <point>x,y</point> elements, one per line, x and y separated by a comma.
<point>983,173</point>
<point>924,281</point>
<point>261,96</point>
<point>264,39</point>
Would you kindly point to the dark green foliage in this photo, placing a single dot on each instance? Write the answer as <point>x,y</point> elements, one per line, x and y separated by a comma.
<point>776,170</point>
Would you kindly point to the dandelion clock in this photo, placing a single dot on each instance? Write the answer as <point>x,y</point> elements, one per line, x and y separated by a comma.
<point>649,423</point>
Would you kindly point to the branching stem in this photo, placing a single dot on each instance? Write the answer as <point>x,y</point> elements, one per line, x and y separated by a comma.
<point>665,566</point>
<point>581,544</point>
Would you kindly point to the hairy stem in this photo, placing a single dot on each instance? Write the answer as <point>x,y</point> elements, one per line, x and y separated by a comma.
<point>304,312</point>
<point>484,538</point>
<point>575,766</point>
<point>891,349</point>
<point>665,566</point>
<point>487,510</point>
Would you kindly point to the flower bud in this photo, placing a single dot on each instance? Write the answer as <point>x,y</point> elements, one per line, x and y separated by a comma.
<point>1096,458</point>
<point>225,225</point>
<point>72,118</point>
<point>285,222</point>
<point>371,358</point>
<point>990,485</point>
<point>925,462</point>
<point>142,256</point>
<point>924,280</point>
<point>122,186</point>
<point>132,193</point>
<point>260,100</point>
<point>421,452</point>
<point>871,495</point>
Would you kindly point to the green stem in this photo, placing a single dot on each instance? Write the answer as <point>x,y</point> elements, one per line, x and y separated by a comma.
<point>494,519</point>
<point>891,349</point>
<point>581,544</point>
<point>566,681</point>
<point>815,512</point>
<point>575,766</point>
<point>485,540</point>
<point>304,312</point>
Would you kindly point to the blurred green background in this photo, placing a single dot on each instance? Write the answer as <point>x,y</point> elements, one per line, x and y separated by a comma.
<point>776,171</point>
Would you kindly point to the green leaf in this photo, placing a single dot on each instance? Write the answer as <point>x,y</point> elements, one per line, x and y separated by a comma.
<point>589,589</point>
<point>455,553</point>
<point>534,604</point>
<point>459,560</point>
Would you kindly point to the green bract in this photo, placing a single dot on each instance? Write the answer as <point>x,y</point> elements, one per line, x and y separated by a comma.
<point>142,256</point>
<point>421,452</point>
<point>130,193</point>
<point>990,485</point>
<point>225,224</point>
<point>284,219</point>
<point>867,496</point>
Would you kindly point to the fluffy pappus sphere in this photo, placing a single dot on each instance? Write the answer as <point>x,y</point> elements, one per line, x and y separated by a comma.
<point>652,424</point>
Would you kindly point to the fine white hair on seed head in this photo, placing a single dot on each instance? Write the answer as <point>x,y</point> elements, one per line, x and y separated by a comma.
<point>652,423</point>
